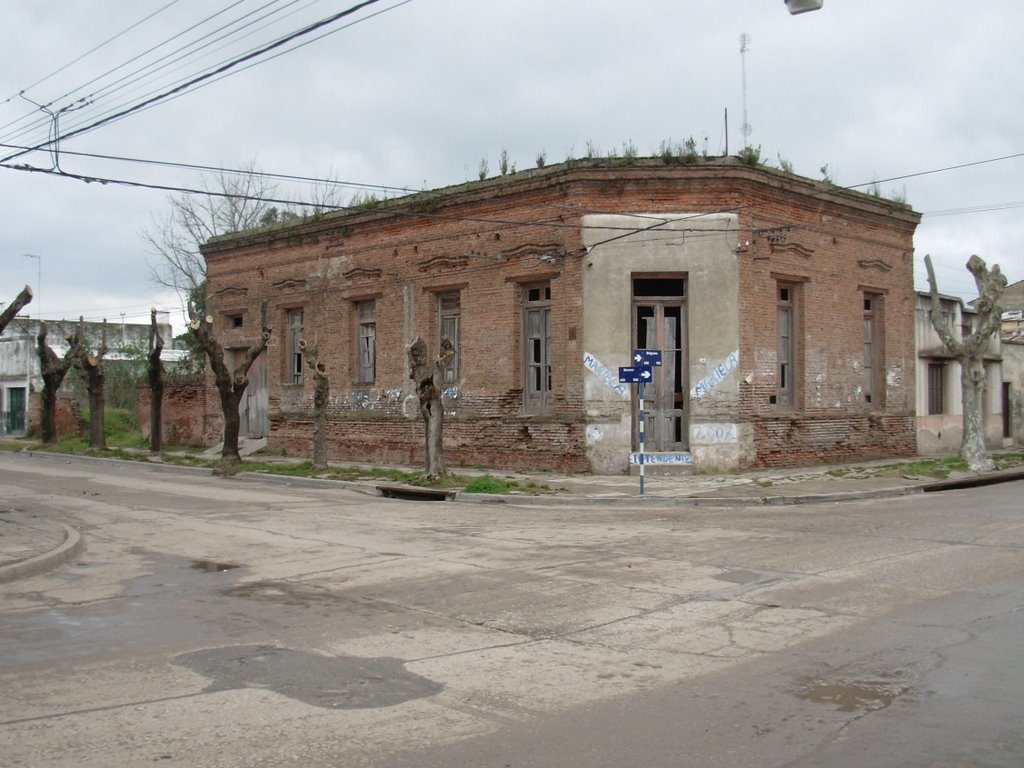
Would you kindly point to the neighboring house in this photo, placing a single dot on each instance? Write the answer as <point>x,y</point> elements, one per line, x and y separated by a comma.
<point>20,376</point>
<point>783,308</point>
<point>1012,302</point>
<point>939,392</point>
<point>1013,386</point>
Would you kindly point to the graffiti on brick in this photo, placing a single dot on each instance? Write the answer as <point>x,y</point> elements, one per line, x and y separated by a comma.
<point>723,432</point>
<point>677,459</point>
<point>450,393</point>
<point>610,378</point>
<point>717,375</point>
<point>595,434</point>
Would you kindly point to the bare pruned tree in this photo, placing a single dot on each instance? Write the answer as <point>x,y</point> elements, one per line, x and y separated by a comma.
<point>427,374</point>
<point>230,384</point>
<point>12,309</point>
<point>969,350</point>
<point>53,369</point>
<point>91,366</point>
<point>156,386</point>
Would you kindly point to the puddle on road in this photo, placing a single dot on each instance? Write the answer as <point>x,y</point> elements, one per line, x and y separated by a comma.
<point>850,694</point>
<point>342,682</point>
<point>209,566</point>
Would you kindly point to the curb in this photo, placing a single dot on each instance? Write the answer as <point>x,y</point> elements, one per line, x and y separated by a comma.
<point>688,501</point>
<point>72,546</point>
<point>374,488</point>
<point>1006,476</point>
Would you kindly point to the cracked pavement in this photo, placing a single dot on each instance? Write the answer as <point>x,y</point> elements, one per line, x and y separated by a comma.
<point>483,635</point>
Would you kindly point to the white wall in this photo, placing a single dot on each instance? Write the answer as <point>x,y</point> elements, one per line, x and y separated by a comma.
<point>703,247</point>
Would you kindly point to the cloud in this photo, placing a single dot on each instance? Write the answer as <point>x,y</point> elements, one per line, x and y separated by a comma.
<point>417,96</point>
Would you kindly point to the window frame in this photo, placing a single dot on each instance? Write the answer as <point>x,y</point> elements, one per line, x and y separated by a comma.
<point>537,348</point>
<point>451,316</point>
<point>935,392</point>
<point>295,373</point>
<point>786,341</point>
<point>874,349</point>
<point>365,312</point>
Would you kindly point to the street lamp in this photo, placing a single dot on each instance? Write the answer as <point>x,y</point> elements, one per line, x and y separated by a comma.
<point>39,284</point>
<point>803,6</point>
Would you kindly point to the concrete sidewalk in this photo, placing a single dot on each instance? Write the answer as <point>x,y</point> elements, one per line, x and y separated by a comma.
<point>32,544</point>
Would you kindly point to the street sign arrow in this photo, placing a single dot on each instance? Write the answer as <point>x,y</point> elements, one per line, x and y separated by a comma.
<point>647,356</point>
<point>635,374</point>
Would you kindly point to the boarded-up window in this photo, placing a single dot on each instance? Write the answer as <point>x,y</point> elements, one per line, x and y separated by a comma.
<point>294,352</point>
<point>366,341</point>
<point>449,311</point>
<point>874,383</point>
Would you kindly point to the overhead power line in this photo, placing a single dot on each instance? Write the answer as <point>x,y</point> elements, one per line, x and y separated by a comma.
<point>219,70</point>
<point>87,99</point>
<point>938,170</point>
<point>91,51</point>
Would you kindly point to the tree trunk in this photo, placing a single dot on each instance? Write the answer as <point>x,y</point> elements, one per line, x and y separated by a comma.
<point>433,421</point>
<point>321,397</point>
<point>48,413</point>
<point>426,373</point>
<point>230,399</point>
<point>12,309</point>
<point>972,443</point>
<point>93,368</point>
<point>156,388</point>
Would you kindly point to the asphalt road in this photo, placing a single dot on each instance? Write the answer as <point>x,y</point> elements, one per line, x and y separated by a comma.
<point>221,622</point>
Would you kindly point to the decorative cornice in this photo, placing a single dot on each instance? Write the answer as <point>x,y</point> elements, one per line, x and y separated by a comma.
<point>232,290</point>
<point>291,282</point>
<point>799,250</point>
<point>443,262</point>
<point>878,264</point>
<point>534,249</point>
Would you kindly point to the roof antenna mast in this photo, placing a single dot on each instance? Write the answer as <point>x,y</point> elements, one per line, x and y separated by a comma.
<point>744,47</point>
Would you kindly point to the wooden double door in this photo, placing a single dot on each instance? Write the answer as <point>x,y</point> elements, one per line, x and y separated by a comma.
<point>659,322</point>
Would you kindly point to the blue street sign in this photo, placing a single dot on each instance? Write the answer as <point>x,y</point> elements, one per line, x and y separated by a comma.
<point>637,374</point>
<point>646,357</point>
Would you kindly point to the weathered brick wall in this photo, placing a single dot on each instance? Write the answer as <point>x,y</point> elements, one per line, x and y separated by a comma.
<point>67,416</point>
<point>467,443</point>
<point>186,415</point>
<point>802,441</point>
<point>488,240</point>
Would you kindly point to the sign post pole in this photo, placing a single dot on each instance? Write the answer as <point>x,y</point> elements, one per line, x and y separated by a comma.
<point>640,373</point>
<point>641,416</point>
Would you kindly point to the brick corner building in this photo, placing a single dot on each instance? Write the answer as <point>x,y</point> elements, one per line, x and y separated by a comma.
<point>783,307</point>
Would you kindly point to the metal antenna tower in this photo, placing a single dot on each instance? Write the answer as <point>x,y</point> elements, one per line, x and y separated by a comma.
<point>745,128</point>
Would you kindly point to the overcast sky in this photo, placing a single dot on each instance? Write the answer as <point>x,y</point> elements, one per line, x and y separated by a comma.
<point>416,95</point>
